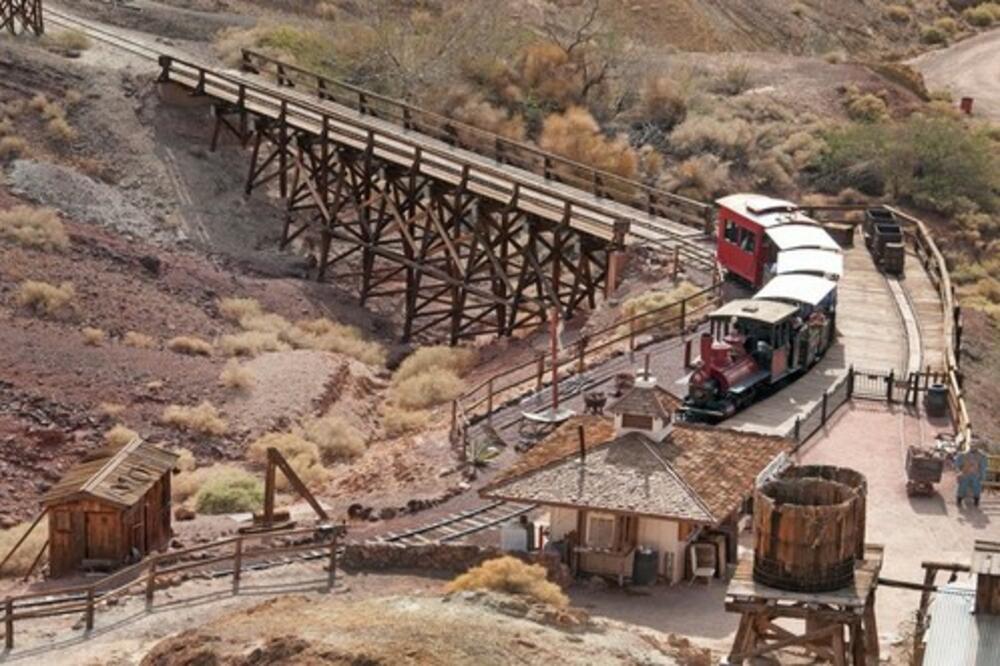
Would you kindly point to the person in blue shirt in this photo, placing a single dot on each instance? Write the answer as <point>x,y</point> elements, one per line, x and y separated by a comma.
<point>971,467</point>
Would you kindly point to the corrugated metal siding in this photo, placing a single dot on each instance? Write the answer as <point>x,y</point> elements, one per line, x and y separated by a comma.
<point>958,637</point>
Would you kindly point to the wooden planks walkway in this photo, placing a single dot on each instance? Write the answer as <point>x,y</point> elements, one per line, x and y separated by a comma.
<point>927,307</point>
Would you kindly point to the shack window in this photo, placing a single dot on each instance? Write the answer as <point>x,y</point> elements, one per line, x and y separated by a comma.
<point>637,421</point>
<point>600,531</point>
<point>747,241</point>
<point>732,232</point>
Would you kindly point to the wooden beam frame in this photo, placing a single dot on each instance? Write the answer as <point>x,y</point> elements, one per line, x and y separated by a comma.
<point>21,16</point>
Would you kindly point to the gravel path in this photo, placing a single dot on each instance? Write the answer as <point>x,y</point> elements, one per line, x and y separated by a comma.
<point>970,68</point>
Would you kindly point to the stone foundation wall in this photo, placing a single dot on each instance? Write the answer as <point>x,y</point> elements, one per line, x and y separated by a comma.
<point>447,558</point>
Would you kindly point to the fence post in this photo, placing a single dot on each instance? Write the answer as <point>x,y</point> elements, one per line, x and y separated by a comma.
<point>489,401</point>
<point>677,262</point>
<point>8,622</point>
<point>798,427</point>
<point>540,374</point>
<point>151,582</point>
<point>683,315</point>
<point>237,564</point>
<point>331,575</point>
<point>687,354</point>
<point>454,419</point>
<point>581,360</point>
<point>889,384</point>
<point>850,382</point>
<point>89,613</point>
<point>826,396</point>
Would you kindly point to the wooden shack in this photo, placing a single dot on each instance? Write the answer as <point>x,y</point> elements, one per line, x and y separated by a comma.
<point>110,509</point>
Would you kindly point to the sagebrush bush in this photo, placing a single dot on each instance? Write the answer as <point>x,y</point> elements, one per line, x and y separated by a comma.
<point>12,147</point>
<point>982,16</point>
<point>203,419</point>
<point>44,297</point>
<point>227,490</point>
<point>435,357</point>
<point>71,40</point>
<point>138,340</point>
<point>734,80</point>
<point>397,422</point>
<point>111,409</point>
<point>731,139</point>
<point>325,335</point>
<point>947,25</point>
<point>512,576</point>
<point>700,177</point>
<point>93,337</point>
<point>237,377</point>
<point>664,102</point>
<point>251,343</point>
<point>898,13</point>
<point>652,308</point>
<point>119,436</point>
<point>34,227</point>
<point>186,461</point>
<point>428,389</point>
<point>235,309</point>
<point>335,438</point>
<point>932,34</point>
<point>867,108</point>
<point>19,564</point>
<point>577,136</point>
<point>190,345</point>
<point>303,456</point>
<point>471,108</point>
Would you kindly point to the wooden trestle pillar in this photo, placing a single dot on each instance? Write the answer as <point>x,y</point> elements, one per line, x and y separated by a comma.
<point>839,626</point>
<point>459,262</point>
<point>17,16</point>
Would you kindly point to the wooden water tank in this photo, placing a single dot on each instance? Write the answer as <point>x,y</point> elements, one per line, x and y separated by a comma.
<point>805,534</point>
<point>850,478</point>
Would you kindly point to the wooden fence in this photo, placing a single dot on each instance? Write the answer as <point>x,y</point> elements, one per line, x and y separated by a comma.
<point>671,320</point>
<point>504,150</point>
<point>150,574</point>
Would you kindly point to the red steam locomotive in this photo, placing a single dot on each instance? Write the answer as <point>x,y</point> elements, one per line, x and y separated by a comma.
<point>756,345</point>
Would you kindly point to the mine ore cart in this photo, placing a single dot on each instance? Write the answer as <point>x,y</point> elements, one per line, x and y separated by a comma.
<point>884,239</point>
<point>923,470</point>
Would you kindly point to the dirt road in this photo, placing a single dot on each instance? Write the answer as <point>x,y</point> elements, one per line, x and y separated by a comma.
<point>970,68</point>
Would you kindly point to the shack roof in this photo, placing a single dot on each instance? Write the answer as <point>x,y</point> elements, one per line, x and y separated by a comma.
<point>958,635</point>
<point>823,262</point>
<point>696,473</point>
<point>769,312</point>
<point>648,401</point>
<point>763,210</point>
<point>119,476</point>
<point>794,236</point>
<point>797,288</point>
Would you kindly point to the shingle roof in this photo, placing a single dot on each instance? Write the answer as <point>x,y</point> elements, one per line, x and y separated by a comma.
<point>698,473</point>
<point>120,476</point>
<point>647,400</point>
<point>958,635</point>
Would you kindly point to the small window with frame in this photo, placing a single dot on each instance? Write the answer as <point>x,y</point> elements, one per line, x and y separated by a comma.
<point>600,531</point>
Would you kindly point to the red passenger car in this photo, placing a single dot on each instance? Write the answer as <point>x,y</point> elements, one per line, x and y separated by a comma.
<point>754,228</point>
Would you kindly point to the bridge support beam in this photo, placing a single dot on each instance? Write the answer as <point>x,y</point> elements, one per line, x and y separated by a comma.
<point>19,16</point>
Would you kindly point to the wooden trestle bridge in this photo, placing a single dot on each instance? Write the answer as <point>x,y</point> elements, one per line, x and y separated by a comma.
<point>17,16</point>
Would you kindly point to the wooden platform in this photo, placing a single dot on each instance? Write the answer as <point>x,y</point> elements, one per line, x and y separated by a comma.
<point>743,588</point>
<point>927,307</point>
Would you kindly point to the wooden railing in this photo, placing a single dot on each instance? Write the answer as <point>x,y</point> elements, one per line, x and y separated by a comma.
<point>671,320</point>
<point>502,149</point>
<point>85,600</point>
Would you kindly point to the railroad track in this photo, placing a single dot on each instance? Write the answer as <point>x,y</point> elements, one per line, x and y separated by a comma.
<point>460,525</point>
<point>102,34</point>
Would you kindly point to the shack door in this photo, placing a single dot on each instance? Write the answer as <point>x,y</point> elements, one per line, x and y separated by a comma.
<point>102,537</point>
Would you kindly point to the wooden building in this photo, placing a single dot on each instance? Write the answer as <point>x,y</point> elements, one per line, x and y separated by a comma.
<point>612,487</point>
<point>110,509</point>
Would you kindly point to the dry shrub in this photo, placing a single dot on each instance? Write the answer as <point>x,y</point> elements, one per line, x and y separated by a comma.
<point>428,389</point>
<point>932,34</point>
<point>983,15</point>
<point>237,377</point>
<point>947,25</point>
<point>67,40</point>
<point>577,136</point>
<point>34,227</point>
<point>190,345</point>
<point>657,308</point>
<point>265,323</point>
<point>21,562</point>
<point>335,438</point>
<point>251,343</point>
<point>867,108</point>
<point>547,73</point>
<point>512,576</point>
<point>898,13</point>
<point>185,460</point>
<point>664,102</point>
<point>219,489</point>
<point>729,139</point>
<point>469,107</point>
<point>138,340</point>
<point>397,422</point>
<point>203,419</point>
<point>436,357</point>
<point>734,80</point>
<point>303,456</point>
<point>111,409</point>
<point>701,177</point>
<point>235,309</point>
<point>772,172</point>
<point>119,436</point>
<point>93,337</point>
<point>325,335</point>
<point>12,147</point>
<point>45,297</point>
<point>802,148</point>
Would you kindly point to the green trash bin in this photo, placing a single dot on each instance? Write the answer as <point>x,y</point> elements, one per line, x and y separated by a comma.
<point>644,566</point>
<point>936,401</point>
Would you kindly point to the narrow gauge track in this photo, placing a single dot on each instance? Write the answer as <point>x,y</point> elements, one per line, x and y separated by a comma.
<point>460,525</point>
<point>101,34</point>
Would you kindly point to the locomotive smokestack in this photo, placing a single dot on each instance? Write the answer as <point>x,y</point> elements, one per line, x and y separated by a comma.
<point>706,348</point>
